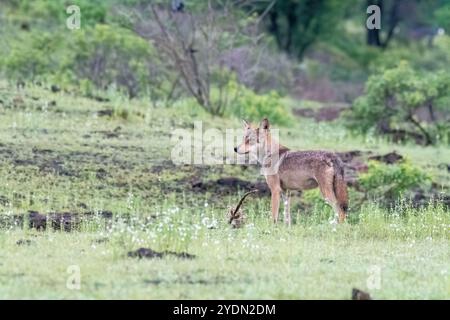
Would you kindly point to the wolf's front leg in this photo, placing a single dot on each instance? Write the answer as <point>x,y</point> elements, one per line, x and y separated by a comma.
<point>273,181</point>
<point>287,207</point>
<point>275,204</point>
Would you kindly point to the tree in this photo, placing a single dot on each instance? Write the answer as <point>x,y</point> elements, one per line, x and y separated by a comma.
<point>392,11</point>
<point>392,98</point>
<point>296,25</point>
<point>407,20</point>
<point>442,16</point>
<point>192,45</point>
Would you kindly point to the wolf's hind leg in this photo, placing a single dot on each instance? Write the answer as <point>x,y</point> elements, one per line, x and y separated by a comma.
<point>326,188</point>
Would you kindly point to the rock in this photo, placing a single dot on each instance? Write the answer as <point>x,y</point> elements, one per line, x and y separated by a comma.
<point>389,158</point>
<point>360,295</point>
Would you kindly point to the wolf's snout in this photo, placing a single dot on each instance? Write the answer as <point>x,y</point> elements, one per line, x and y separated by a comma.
<point>235,149</point>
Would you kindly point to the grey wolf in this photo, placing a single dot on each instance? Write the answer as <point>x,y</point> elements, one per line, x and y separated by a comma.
<point>295,170</point>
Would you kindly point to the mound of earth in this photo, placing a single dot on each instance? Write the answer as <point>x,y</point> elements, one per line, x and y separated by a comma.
<point>152,254</point>
<point>389,158</point>
<point>230,185</point>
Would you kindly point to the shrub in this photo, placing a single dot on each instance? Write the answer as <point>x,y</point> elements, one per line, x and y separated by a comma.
<point>315,203</point>
<point>392,99</point>
<point>243,103</point>
<point>246,104</point>
<point>91,58</point>
<point>31,56</point>
<point>387,183</point>
<point>108,55</point>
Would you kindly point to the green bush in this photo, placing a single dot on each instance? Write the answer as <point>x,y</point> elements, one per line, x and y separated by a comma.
<point>93,58</point>
<point>387,183</point>
<point>315,202</point>
<point>392,98</point>
<point>243,103</point>
<point>31,56</point>
<point>253,107</point>
<point>107,55</point>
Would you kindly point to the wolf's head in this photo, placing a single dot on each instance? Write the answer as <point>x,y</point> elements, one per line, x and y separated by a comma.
<point>255,140</point>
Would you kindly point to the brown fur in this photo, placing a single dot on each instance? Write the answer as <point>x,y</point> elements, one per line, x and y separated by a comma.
<point>295,170</point>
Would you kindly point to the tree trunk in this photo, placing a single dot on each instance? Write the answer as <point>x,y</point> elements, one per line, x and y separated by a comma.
<point>373,35</point>
<point>274,27</point>
<point>292,22</point>
<point>425,134</point>
<point>394,19</point>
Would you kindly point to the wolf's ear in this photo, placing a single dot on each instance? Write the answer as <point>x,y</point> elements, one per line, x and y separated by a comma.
<point>264,124</point>
<point>246,124</point>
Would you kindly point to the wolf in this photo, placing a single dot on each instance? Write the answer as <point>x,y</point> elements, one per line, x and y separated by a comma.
<point>287,170</point>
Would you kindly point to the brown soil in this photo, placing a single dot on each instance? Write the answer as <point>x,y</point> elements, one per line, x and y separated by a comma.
<point>24,242</point>
<point>151,254</point>
<point>63,221</point>
<point>322,114</point>
<point>389,158</point>
<point>354,164</point>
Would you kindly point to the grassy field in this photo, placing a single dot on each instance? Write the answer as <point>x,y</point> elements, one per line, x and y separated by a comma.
<point>61,153</point>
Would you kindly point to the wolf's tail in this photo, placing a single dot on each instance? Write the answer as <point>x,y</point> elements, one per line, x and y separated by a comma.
<point>340,186</point>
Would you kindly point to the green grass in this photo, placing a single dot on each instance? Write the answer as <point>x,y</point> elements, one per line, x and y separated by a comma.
<point>61,156</point>
<point>309,261</point>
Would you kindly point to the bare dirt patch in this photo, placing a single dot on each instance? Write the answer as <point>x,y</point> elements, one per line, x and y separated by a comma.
<point>57,221</point>
<point>194,281</point>
<point>389,158</point>
<point>329,113</point>
<point>230,185</point>
<point>151,254</point>
<point>24,242</point>
<point>354,163</point>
